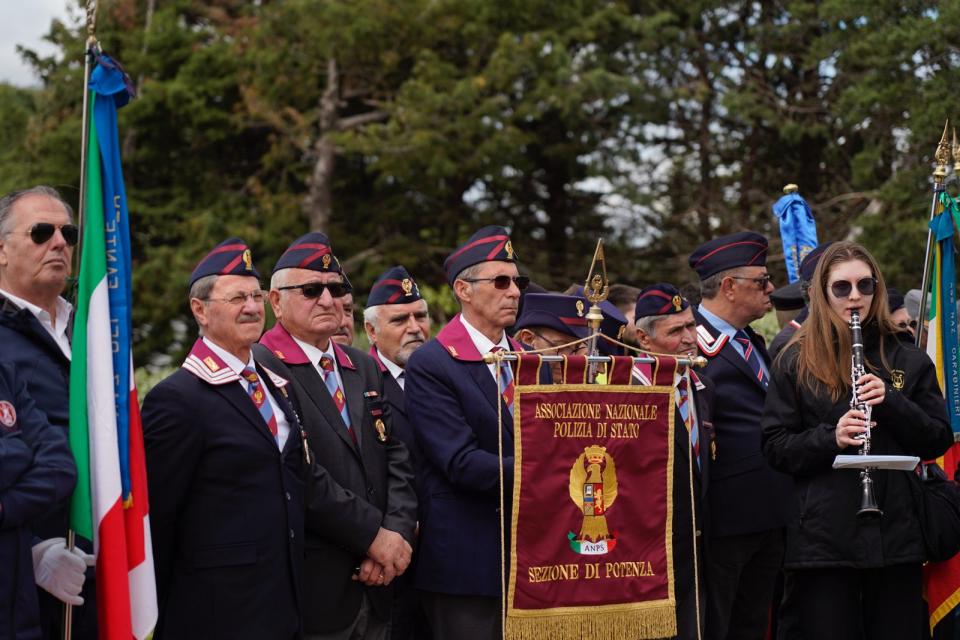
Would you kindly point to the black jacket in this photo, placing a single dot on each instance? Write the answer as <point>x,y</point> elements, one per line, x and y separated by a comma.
<point>799,438</point>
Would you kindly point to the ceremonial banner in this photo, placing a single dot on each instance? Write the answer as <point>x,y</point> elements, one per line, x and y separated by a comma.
<point>591,537</point>
<point>798,231</point>
<point>109,505</point>
<point>943,578</point>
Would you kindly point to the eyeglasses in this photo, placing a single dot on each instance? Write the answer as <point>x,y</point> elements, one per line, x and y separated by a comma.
<point>503,282</point>
<point>569,349</point>
<point>43,231</point>
<point>761,282</point>
<point>238,299</point>
<point>313,290</point>
<point>843,288</point>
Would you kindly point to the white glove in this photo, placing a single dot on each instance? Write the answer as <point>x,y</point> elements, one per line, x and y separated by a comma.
<point>59,571</point>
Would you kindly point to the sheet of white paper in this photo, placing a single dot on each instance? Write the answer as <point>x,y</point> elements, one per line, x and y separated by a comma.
<point>893,463</point>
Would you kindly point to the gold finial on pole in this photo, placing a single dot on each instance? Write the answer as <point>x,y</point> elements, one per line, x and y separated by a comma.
<point>942,156</point>
<point>790,188</point>
<point>956,153</point>
<point>595,289</point>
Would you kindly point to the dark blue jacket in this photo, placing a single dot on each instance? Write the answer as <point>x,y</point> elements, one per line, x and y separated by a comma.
<point>452,403</point>
<point>37,474</point>
<point>746,495</point>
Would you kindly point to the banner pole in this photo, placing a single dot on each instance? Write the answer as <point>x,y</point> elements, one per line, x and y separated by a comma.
<point>942,156</point>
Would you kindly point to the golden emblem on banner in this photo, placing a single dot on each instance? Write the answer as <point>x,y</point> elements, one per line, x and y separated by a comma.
<point>593,488</point>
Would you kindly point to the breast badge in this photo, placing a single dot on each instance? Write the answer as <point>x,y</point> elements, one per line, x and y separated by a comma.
<point>381,430</point>
<point>8,415</point>
<point>593,489</point>
<point>897,378</point>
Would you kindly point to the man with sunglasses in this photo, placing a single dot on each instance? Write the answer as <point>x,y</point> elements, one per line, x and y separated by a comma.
<point>37,239</point>
<point>453,398</point>
<point>747,500</point>
<point>349,562</point>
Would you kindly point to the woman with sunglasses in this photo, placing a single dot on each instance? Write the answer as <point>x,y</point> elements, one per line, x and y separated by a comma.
<point>851,577</point>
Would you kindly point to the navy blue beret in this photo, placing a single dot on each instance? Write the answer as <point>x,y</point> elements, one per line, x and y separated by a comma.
<point>566,314</point>
<point>310,251</point>
<point>894,299</point>
<point>394,286</point>
<point>486,245</point>
<point>743,249</point>
<point>789,297</point>
<point>229,258</point>
<point>809,263</point>
<point>659,300</point>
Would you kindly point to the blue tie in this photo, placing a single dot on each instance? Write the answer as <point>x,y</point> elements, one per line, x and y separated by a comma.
<point>752,357</point>
<point>330,379</point>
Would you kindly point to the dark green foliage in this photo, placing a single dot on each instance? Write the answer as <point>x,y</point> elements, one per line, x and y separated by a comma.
<point>653,124</point>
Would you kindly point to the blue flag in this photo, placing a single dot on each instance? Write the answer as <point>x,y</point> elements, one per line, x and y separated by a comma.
<point>798,231</point>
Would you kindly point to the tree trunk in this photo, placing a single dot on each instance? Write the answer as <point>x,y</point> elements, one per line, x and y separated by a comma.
<point>318,203</point>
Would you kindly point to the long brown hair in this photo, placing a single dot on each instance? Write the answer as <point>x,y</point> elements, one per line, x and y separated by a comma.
<point>824,338</point>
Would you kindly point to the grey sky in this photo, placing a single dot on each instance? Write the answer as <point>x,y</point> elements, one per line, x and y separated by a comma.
<point>25,22</point>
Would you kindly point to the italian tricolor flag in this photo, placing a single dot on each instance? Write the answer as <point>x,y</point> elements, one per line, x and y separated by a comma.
<point>110,504</point>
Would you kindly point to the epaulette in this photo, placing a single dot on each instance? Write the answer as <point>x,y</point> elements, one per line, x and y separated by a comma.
<point>709,345</point>
<point>208,370</point>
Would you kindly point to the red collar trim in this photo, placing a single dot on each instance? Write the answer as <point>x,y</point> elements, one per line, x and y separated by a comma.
<point>279,340</point>
<point>204,363</point>
<point>376,358</point>
<point>456,340</point>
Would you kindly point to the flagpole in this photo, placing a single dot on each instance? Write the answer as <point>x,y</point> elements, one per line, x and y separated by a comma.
<point>91,42</point>
<point>942,156</point>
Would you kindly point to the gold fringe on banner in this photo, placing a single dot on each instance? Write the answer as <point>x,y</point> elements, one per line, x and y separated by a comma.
<point>659,621</point>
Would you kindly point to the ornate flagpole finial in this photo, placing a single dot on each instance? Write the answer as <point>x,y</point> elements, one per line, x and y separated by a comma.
<point>790,188</point>
<point>942,156</point>
<point>956,153</point>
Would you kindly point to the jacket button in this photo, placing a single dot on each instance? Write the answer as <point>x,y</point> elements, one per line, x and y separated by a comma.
<point>699,532</point>
<point>291,534</point>
<point>288,496</point>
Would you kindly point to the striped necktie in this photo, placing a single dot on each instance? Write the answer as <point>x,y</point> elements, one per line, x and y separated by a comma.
<point>683,405</point>
<point>330,379</point>
<point>752,357</point>
<point>260,400</point>
<point>505,380</point>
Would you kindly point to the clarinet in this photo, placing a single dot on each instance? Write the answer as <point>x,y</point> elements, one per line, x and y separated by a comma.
<point>868,502</point>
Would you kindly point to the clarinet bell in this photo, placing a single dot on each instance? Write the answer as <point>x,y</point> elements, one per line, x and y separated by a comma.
<point>868,502</point>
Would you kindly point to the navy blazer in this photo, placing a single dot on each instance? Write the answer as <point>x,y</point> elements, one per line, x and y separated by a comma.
<point>746,495</point>
<point>452,402</point>
<point>226,506</point>
<point>37,474</point>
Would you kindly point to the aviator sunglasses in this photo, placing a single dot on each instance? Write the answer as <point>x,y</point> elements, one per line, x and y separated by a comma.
<point>313,290</point>
<point>503,282</point>
<point>843,288</point>
<point>43,231</point>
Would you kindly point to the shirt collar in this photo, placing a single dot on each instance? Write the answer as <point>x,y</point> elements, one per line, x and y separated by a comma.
<point>395,370</point>
<point>313,353</point>
<point>718,323</point>
<point>482,342</point>
<point>64,308</point>
<point>236,364</point>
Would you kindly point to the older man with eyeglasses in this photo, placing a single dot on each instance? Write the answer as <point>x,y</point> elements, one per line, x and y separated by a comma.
<point>747,499</point>
<point>350,560</point>
<point>226,470</point>
<point>37,239</point>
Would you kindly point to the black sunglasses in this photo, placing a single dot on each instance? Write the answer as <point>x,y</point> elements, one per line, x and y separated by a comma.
<point>313,290</point>
<point>843,288</point>
<point>43,231</point>
<point>503,282</point>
